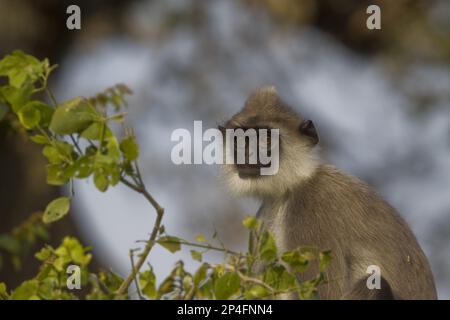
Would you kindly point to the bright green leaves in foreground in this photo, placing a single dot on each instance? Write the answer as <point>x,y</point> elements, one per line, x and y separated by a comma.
<point>64,127</point>
<point>227,285</point>
<point>129,148</point>
<point>19,241</point>
<point>173,244</point>
<point>21,68</point>
<point>26,76</point>
<point>73,116</point>
<point>56,209</point>
<point>51,281</point>
<point>262,273</point>
<point>147,283</point>
<point>34,114</point>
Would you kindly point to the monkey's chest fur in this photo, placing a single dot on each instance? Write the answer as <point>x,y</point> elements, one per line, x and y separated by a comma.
<point>334,211</point>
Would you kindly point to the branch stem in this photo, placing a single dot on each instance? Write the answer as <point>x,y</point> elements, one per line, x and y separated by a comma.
<point>151,241</point>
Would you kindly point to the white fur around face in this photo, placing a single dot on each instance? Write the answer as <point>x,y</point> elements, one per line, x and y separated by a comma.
<point>298,162</point>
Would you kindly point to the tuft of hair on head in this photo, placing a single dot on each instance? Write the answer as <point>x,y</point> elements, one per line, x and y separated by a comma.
<point>262,97</point>
<point>266,101</point>
<point>299,156</point>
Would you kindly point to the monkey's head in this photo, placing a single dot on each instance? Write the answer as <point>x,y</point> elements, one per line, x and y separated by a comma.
<point>291,150</point>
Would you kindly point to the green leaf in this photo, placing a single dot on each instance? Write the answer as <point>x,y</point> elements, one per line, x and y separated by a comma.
<point>324,260</point>
<point>147,283</point>
<point>9,244</point>
<point>29,117</point>
<point>256,292</point>
<point>101,180</point>
<point>83,167</point>
<point>56,209</point>
<point>170,243</point>
<point>200,238</point>
<point>44,111</point>
<point>113,148</point>
<point>129,148</point>
<point>250,223</point>
<point>267,249</point>
<point>72,248</point>
<point>119,117</point>
<point>308,290</point>
<point>28,290</point>
<point>59,152</point>
<point>227,285</point>
<point>44,254</point>
<point>3,291</point>
<point>93,132</point>
<point>40,139</point>
<point>166,286</point>
<point>279,278</point>
<point>55,175</point>
<point>197,255</point>
<point>296,260</point>
<point>52,154</point>
<point>21,68</point>
<point>111,280</point>
<point>73,116</point>
<point>201,274</point>
<point>16,97</point>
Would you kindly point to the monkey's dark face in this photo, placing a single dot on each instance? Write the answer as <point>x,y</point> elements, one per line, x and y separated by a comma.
<point>252,149</point>
<point>250,144</point>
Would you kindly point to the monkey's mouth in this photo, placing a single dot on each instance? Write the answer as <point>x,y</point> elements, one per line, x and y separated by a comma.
<point>249,171</point>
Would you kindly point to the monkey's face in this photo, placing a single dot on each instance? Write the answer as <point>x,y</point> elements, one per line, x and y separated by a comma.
<point>268,160</point>
<point>280,161</point>
<point>252,151</point>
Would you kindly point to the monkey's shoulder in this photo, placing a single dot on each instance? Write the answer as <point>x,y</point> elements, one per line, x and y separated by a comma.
<point>332,180</point>
<point>336,190</point>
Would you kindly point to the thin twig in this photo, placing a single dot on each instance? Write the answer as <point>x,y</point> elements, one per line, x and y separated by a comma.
<point>144,192</point>
<point>52,97</point>
<point>135,278</point>
<point>151,241</point>
<point>197,245</point>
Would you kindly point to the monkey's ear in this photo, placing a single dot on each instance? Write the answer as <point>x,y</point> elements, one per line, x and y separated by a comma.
<point>308,129</point>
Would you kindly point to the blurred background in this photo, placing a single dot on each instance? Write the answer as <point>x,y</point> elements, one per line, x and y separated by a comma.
<point>380,100</point>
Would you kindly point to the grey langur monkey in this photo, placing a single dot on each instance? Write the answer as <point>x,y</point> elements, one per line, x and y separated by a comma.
<point>309,203</point>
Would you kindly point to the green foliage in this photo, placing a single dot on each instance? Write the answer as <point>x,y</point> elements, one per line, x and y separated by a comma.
<point>129,148</point>
<point>170,243</point>
<point>50,282</point>
<point>250,223</point>
<point>147,283</point>
<point>78,142</point>
<point>18,243</point>
<point>56,209</point>
<point>227,285</point>
<point>73,116</point>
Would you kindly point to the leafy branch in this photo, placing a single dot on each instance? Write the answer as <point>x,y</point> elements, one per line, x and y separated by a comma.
<point>78,141</point>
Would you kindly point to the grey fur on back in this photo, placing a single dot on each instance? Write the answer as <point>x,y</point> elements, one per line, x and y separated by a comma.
<point>333,210</point>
